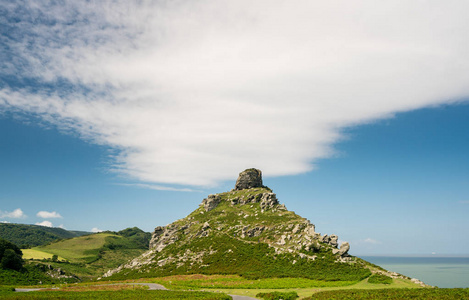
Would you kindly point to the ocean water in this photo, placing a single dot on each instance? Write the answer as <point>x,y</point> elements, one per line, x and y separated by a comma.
<point>443,272</point>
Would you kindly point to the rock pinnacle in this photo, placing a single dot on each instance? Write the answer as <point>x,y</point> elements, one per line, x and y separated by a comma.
<point>248,179</point>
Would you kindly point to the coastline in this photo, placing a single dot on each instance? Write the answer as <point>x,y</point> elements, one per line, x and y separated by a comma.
<point>438,271</point>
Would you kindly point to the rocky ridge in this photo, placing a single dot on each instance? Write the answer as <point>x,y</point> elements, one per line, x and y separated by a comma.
<point>249,214</point>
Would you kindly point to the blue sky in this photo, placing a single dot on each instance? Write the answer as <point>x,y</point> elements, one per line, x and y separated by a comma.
<point>123,114</point>
<point>397,186</point>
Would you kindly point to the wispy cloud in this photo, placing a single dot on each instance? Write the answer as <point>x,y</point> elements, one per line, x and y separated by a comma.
<point>48,215</point>
<point>45,223</point>
<point>16,214</point>
<point>192,92</point>
<point>464,201</point>
<point>371,241</point>
<point>96,230</point>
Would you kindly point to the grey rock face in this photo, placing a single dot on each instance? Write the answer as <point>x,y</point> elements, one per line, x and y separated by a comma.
<point>268,200</point>
<point>343,251</point>
<point>163,236</point>
<point>211,202</point>
<point>256,231</point>
<point>334,240</point>
<point>248,179</point>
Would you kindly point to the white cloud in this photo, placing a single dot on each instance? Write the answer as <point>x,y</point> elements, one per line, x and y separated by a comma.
<point>45,223</point>
<point>158,187</point>
<point>371,241</point>
<point>192,92</point>
<point>62,226</point>
<point>16,214</point>
<point>4,222</point>
<point>48,215</point>
<point>96,230</point>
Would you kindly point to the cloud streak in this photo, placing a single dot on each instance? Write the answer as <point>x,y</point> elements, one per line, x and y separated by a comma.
<point>190,93</point>
<point>49,215</point>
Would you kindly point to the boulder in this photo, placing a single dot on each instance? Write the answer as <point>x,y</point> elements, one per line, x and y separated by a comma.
<point>248,179</point>
<point>343,251</point>
<point>334,240</point>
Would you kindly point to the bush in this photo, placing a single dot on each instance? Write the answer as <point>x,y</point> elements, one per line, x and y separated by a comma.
<point>278,296</point>
<point>11,260</point>
<point>379,279</point>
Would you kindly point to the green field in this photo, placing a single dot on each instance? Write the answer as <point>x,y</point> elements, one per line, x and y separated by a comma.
<point>302,291</point>
<point>193,282</point>
<point>86,256</point>
<point>77,250</point>
<point>37,254</point>
<point>124,294</point>
<point>398,289</point>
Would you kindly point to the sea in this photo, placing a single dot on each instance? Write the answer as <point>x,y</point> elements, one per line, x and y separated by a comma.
<point>443,272</point>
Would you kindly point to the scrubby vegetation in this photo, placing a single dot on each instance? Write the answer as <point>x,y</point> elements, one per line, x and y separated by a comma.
<point>138,236</point>
<point>380,279</point>
<point>393,294</point>
<point>228,255</point>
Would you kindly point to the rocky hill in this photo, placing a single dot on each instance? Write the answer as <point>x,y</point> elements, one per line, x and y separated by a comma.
<point>245,231</point>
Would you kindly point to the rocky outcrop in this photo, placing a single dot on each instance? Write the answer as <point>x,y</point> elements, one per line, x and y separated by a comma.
<point>343,250</point>
<point>211,202</point>
<point>334,240</point>
<point>268,200</point>
<point>252,232</point>
<point>163,236</point>
<point>248,179</point>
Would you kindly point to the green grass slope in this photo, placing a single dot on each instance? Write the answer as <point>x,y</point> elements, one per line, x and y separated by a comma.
<point>91,255</point>
<point>34,235</point>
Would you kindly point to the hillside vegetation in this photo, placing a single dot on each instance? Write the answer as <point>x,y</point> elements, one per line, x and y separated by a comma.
<point>91,255</point>
<point>34,235</point>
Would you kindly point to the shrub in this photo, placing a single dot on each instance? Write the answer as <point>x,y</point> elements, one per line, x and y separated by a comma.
<point>380,279</point>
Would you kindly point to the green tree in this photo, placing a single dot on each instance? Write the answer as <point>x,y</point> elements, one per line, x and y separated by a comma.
<point>11,260</point>
<point>55,258</point>
<point>10,255</point>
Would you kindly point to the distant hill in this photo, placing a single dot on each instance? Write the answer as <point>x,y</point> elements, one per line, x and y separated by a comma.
<point>91,255</point>
<point>35,235</point>
<point>137,235</point>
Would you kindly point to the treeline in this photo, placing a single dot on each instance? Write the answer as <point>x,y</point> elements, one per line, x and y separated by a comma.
<point>138,236</point>
<point>26,236</point>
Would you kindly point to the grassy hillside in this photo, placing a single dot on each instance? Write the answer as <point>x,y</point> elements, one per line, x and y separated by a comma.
<point>34,235</point>
<point>91,255</point>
